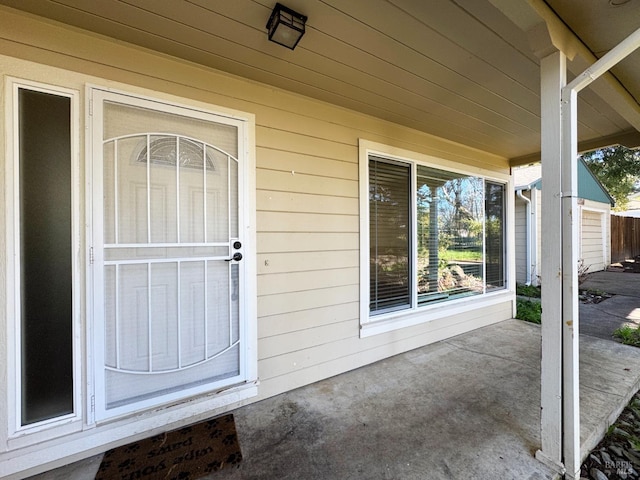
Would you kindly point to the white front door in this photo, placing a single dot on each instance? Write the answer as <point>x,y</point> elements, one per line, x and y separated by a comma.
<point>167,252</point>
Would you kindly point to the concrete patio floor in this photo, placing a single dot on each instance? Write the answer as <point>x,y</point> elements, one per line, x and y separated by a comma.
<point>602,319</point>
<point>464,408</point>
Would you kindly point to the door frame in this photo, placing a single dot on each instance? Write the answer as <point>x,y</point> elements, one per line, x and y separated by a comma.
<point>246,212</point>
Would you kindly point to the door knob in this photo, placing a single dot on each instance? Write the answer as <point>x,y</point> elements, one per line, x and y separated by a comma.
<point>236,256</point>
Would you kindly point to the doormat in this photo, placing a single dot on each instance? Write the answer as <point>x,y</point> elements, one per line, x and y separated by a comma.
<point>184,454</point>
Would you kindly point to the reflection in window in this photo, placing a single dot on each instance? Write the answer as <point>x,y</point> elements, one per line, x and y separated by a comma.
<point>450,234</point>
<point>494,236</point>
<point>458,248</point>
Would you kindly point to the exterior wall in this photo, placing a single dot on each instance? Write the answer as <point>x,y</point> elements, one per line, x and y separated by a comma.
<point>307,218</point>
<point>595,235</point>
<point>520,233</point>
<point>536,273</point>
<point>520,227</point>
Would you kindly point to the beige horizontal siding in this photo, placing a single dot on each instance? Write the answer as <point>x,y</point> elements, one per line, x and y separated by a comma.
<point>293,321</point>
<point>536,270</point>
<point>321,166</point>
<point>306,222</point>
<point>303,142</point>
<point>306,261</point>
<point>292,182</point>
<point>326,351</point>
<point>307,204</point>
<point>302,341</point>
<point>282,242</point>
<point>520,241</point>
<point>520,237</point>
<point>305,300</point>
<point>274,284</point>
<point>268,200</point>
<point>313,364</point>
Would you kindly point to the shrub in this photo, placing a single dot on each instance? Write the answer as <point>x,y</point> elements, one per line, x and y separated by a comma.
<point>528,311</point>
<point>628,335</point>
<point>528,290</point>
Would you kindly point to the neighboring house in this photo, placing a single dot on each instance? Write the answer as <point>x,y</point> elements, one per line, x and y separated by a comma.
<point>195,218</point>
<point>594,229</point>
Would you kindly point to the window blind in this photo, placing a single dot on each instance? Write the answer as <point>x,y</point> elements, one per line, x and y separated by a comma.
<point>389,234</point>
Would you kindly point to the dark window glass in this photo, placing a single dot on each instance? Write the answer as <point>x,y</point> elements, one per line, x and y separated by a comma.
<point>45,245</point>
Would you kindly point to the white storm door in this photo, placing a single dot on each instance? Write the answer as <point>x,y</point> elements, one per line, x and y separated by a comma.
<point>167,269</point>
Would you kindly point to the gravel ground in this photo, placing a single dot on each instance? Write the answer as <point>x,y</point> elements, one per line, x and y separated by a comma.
<point>617,456</point>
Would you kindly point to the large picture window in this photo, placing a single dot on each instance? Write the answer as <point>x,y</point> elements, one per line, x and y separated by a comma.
<point>434,235</point>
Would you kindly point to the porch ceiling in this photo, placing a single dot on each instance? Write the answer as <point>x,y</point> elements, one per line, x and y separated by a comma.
<point>459,69</point>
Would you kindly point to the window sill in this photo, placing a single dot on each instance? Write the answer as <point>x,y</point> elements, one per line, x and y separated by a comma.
<point>408,318</point>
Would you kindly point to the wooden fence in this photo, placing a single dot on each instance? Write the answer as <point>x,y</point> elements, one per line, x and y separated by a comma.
<point>625,238</point>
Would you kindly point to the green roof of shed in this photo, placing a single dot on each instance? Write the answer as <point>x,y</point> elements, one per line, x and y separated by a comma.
<point>589,187</point>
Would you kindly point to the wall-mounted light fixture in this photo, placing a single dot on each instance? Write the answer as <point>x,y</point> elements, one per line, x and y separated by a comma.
<point>286,26</point>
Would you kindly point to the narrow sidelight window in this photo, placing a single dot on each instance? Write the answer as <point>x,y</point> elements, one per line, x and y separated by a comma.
<point>46,362</point>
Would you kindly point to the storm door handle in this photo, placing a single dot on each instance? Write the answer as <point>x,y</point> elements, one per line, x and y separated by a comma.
<point>236,256</point>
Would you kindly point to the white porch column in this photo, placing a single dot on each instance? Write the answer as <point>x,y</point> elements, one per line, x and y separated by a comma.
<point>553,79</point>
<point>560,321</point>
<point>570,312</point>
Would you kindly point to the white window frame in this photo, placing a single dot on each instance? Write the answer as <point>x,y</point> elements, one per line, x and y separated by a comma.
<point>387,322</point>
<point>18,435</point>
